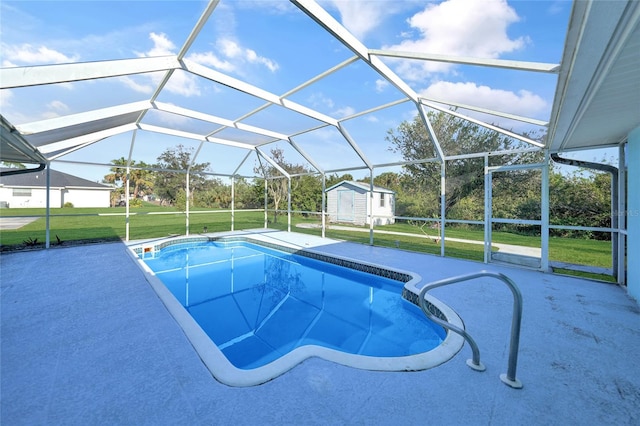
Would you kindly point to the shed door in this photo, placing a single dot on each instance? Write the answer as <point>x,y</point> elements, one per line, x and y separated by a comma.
<point>346,205</point>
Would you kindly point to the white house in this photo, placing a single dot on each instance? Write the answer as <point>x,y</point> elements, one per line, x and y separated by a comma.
<point>30,190</point>
<point>350,202</point>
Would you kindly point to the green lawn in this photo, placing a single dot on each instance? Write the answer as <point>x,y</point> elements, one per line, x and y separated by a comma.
<point>74,224</point>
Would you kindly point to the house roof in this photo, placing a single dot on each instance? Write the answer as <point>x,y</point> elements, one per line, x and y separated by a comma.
<point>58,180</point>
<point>595,103</point>
<point>361,185</point>
<point>597,100</point>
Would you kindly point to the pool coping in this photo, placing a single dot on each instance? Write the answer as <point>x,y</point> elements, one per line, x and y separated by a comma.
<point>225,372</point>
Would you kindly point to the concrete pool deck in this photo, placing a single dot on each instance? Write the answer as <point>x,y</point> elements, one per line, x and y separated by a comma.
<point>85,340</point>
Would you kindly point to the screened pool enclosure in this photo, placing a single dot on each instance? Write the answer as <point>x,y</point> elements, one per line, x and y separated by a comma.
<point>335,105</point>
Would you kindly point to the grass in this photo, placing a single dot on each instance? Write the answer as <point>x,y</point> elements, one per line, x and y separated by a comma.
<point>151,221</point>
<point>77,224</point>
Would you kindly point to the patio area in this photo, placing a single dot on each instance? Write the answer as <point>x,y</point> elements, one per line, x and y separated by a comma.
<point>86,340</point>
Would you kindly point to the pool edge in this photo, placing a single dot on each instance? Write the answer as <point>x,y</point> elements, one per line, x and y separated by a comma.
<point>225,372</point>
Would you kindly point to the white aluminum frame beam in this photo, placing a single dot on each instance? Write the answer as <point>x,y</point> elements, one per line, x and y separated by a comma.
<point>183,51</point>
<point>482,123</point>
<point>534,121</point>
<point>195,136</point>
<point>273,163</point>
<point>466,60</point>
<point>432,133</point>
<point>65,73</point>
<point>252,90</point>
<point>294,90</point>
<point>354,146</point>
<point>306,156</point>
<point>333,27</point>
<point>80,118</point>
<point>173,109</point>
<point>375,109</point>
<point>87,139</point>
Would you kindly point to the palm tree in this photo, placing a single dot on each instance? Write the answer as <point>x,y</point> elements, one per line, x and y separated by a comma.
<point>142,179</point>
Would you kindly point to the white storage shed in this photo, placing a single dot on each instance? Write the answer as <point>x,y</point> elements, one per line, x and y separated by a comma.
<point>348,202</point>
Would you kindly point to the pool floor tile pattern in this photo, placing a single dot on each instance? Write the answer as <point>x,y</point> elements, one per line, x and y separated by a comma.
<point>85,340</point>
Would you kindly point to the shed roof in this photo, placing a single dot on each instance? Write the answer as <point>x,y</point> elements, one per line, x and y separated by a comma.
<point>361,185</point>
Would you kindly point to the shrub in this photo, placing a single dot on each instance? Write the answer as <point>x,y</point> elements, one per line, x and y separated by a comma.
<point>68,204</point>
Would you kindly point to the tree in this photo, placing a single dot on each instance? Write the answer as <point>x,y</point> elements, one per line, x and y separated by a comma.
<point>142,180</point>
<point>172,180</point>
<point>464,177</point>
<point>308,193</point>
<point>580,198</point>
<point>215,194</point>
<point>389,180</point>
<point>334,179</point>
<point>118,178</point>
<point>278,185</point>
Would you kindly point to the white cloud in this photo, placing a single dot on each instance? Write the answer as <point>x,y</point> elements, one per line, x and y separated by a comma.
<point>211,60</point>
<point>319,99</point>
<point>181,83</point>
<point>161,45</point>
<point>361,16</point>
<point>253,57</point>
<point>557,7</point>
<point>234,57</point>
<point>229,48</point>
<point>459,28</point>
<point>381,84</point>
<point>344,112</point>
<point>522,103</point>
<point>27,54</point>
<point>5,98</point>
<point>132,84</point>
<point>58,106</point>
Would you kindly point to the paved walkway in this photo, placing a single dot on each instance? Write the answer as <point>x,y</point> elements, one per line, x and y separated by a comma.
<point>15,222</point>
<point>507,248</point>
<point>85,340</point>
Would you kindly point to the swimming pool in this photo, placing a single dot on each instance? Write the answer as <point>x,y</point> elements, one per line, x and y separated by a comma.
<point>266,307</point>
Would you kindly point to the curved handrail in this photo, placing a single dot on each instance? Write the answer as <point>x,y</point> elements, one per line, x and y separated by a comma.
<point>510,377</point>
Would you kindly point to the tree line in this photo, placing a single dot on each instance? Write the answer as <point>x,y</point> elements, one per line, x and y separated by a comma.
<point>581,198</point>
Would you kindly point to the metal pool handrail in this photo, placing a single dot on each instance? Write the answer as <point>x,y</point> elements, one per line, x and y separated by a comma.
<point>510,377</point>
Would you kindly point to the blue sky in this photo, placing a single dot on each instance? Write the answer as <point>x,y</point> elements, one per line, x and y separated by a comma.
<point>272,45</point>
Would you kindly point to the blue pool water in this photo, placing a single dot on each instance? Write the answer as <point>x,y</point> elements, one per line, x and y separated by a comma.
<point>257,304</point>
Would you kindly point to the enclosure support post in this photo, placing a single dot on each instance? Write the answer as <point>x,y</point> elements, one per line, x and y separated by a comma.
<point>487,209</point>
<point>544,255</point>
<point>324,202</point>
<point>266,219</point>
<point>622,207</point>
<point>443,198</point>
<point>289,204</point>
<point>488,212</point>
<point>233,201</point>
<point>47,238</point>
<point>187,203</point>
<point>126,203</point>
<point>127,211</point>
<point>371,206</point>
